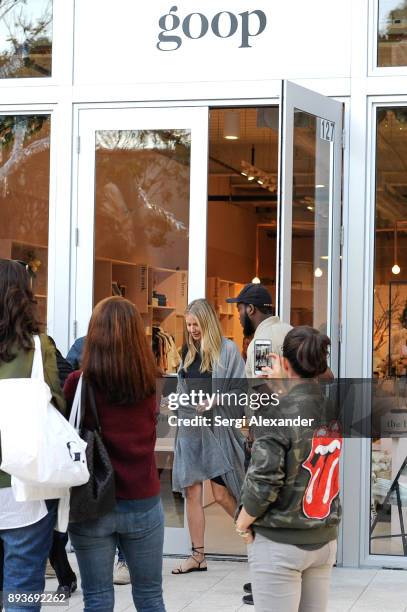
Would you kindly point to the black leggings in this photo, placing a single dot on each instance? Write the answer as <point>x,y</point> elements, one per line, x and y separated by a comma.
<point>59,559</point>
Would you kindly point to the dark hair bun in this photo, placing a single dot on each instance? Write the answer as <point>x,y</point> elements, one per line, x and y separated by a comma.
<point>307,350</point>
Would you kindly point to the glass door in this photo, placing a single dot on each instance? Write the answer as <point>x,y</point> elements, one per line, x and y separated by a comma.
<point>141,230</point>
<point>310,212</point>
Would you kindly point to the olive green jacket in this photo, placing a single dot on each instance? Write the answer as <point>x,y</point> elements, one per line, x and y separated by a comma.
<point>276,480</point>
<point>21,367</point>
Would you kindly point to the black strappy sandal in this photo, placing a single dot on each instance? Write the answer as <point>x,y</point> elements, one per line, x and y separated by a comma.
<point>195,549</point>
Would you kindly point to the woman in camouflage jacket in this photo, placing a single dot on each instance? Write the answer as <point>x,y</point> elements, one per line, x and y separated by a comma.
<point>290,498</point>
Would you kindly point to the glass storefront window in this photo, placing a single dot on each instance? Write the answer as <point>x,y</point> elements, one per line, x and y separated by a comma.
<point>242,194</point>
<point>241,241</point>
<point>390,329</point>
<point>310,221</point>
<point>141,249</point>
<point>26,38</point>
<point>24,196</point>
<point>392,33</point>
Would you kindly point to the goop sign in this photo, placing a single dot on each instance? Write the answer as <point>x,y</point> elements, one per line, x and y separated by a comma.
<point>244,26</point>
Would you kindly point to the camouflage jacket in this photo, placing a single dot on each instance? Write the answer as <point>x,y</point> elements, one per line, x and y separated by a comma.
<point>292,483</point>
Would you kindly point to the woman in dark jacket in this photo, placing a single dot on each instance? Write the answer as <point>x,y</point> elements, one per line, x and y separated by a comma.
<point>119,366</point>
<point>26,528</point>
<point>290,499</point>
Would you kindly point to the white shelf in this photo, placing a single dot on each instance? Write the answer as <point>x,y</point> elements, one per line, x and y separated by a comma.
<point>141,281</point>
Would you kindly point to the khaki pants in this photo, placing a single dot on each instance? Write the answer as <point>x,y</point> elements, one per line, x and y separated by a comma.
<point>286,578</point>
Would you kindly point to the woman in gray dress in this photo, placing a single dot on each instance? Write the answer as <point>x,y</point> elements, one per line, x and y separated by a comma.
<point>211,363</point>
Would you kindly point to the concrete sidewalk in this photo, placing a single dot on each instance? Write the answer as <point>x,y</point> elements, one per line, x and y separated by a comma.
<point>220,589</point>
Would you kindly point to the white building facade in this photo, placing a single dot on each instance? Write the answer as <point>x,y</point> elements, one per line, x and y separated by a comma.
<point>137,94</point>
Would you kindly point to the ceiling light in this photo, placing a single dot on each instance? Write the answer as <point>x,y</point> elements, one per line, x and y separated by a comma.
<point>396,268</point>
<point>256,280</point>
<point>260,182</point>
<point>243,173</point>
<point>311,208</point>
<point>250,178</point>
<point>231,125</point>
<point>318,273</point>
<point>319,186</point>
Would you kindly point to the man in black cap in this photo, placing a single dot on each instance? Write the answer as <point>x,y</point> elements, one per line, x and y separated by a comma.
<point>255,307</point>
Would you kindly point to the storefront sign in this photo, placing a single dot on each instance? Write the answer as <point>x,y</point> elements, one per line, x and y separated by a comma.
<point>185,42</point>
<point>394,424</point>
<point>175,28</point>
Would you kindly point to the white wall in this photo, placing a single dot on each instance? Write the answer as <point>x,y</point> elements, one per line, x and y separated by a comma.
<point>118,43</point>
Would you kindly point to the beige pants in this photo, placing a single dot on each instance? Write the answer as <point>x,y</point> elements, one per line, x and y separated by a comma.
<point>286,578</point>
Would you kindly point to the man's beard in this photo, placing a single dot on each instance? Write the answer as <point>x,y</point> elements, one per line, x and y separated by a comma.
<point>248,327</point>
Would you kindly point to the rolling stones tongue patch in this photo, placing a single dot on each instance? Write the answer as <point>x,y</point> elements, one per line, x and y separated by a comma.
<point>323,465</point>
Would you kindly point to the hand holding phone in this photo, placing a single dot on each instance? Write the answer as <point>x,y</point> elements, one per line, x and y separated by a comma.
<point>262,356</point>
<point>276,371</point>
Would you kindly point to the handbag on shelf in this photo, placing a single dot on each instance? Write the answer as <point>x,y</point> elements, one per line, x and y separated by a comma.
<point>97,497</point>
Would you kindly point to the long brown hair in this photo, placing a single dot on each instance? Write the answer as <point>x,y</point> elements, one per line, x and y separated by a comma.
<point>117,358</point>
<point>18,321</point>
<point>307,350</point>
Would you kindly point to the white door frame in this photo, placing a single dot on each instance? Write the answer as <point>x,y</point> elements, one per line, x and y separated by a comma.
<point>88,122</point>
<point>91,117</point>
<point>296,97</point>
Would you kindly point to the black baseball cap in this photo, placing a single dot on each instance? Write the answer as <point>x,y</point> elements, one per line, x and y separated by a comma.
<point>253,293</point>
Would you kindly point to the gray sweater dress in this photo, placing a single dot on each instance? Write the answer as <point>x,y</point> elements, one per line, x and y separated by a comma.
<point>204,452</point>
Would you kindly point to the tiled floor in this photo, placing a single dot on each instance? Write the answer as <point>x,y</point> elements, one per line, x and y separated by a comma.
<point>220,590</point>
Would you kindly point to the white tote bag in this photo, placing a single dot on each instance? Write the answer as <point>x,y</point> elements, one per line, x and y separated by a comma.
<point>28,492</point>
<point>40,449</point>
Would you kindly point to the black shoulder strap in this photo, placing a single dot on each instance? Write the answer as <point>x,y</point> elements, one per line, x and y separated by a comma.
<point>88,404</point>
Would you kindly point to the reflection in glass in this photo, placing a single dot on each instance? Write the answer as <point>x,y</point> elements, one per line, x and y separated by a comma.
<point>241,242</point>
<point>26,38</point>
<point>24,195</point>
<point>392,33</point>
<point>390,327</point>
<point>242,209</point>
<point>310,218</point>
<point>141,248</point>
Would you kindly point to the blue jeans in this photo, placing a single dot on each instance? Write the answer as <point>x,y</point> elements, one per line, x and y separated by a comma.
<point>120,555</point>
<point>140,535</point>
<point>25,552</point>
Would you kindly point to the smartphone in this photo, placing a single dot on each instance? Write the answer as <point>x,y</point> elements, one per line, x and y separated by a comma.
<point>262,350</point>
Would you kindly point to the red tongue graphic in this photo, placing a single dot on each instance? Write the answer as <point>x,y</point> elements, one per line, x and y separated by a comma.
<point>323,466</point>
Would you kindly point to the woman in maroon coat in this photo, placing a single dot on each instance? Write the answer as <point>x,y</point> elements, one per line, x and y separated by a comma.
<point>119,366</point>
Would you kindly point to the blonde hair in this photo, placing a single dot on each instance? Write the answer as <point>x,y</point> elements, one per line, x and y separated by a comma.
<point>211,335</point>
